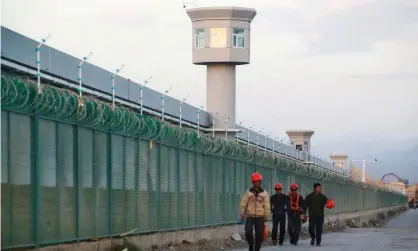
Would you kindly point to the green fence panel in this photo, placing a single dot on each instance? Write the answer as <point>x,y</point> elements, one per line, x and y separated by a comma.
<point>143,187</point>
<point>86,196</point>
<point>93,171</point>
<point>65,181</point>
<point>18,193</point>
<point>153,186</point>
<point>130,158</point>
<point>168,209</point>
<point>49,196</point>
<point>201,184</point>
<point>6,186</point>
<point>100,184</point>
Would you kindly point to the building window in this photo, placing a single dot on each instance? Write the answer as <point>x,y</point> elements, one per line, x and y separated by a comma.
<point>218,38</point>
<point>199,38</point>
<point>238,38</point>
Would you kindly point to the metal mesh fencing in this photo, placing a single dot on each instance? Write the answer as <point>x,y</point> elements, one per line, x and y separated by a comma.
<point>73,169</point>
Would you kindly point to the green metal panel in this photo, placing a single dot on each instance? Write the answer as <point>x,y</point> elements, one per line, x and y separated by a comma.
<point>49,195</point>
<point>118,181</point>
<point>153,187</point>
<point>86,199</point>
<point>6,187</point>
<point>20,193</point>
<point>85,171</point>
<point>65,181</point>
<point>100,186</point>
<point>130,158</point>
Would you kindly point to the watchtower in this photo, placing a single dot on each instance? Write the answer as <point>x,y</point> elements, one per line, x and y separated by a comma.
<point>300,139</point>
<point>221,40</point>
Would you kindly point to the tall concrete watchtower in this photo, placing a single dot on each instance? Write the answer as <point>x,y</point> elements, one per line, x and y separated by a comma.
<point>301,139</point>
<point>221,40</point>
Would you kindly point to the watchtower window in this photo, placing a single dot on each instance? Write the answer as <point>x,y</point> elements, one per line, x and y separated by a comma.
<point>199,38</point>
<point>238,38</point>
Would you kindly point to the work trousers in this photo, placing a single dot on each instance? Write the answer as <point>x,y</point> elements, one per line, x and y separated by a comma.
<point>256,223</point>
<point>294,224</point>
<point>316,224</point>
<point>278,219</point>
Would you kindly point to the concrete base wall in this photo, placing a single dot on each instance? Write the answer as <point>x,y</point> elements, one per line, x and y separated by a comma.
<point>194,235</point>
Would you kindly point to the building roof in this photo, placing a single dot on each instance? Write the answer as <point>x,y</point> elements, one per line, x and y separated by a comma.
<point>222,13</point>
<point>300,133</point>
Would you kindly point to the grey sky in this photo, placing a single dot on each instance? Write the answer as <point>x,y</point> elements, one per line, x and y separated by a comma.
<point>347,69</point>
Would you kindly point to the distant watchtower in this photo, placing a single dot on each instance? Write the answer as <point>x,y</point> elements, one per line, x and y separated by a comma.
<point>301,139</point>
<point>339,160</point>
<point>221,40</point>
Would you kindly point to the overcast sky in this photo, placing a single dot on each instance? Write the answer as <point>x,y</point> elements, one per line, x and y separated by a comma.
<point>347,69</point>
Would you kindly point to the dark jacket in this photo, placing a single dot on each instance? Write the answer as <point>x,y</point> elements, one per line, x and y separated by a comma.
<point>301,210</point>
<point>315,204</point>
<point>279,203</point>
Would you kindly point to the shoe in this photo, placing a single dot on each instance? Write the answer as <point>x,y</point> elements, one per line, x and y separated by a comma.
<point>318,244</point>
<point>312,242</point>
<point>280,243</point>
<point>274,243</point>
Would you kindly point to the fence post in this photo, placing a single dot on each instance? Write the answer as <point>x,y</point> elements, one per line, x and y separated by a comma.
<point>157,186</point>
<point>76,183</point>
<point>125,191</point>
<point>36,178</point>
<point>223,193</point>
<point>109,180</point>
<point>137,174</point>
<point>235,190</point>
<point>178,185</point>
<point>9,180</point>
<point>94,182</point>
<point>58,180</point>
<point>195,186</point>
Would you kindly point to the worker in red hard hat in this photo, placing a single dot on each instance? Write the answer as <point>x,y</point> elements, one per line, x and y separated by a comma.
<point>255,205</point>
<point>279,203</point>
<point>315,203</point>
<point>295,214</point>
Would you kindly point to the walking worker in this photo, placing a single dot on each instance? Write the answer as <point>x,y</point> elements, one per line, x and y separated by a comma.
<point>279,205</point>
<point>315,203</point>
<point>295,214</point>
<point>255,205</point>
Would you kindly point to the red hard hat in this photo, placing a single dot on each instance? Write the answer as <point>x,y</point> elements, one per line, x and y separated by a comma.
<point>278,186</point>
<point>293,186</point>
<point>330,204</point>
<point>256,177</point>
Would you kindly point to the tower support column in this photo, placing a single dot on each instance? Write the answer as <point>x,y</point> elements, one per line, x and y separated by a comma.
<point>220,93</point>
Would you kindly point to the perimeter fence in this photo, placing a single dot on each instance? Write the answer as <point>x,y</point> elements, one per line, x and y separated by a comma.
<point>74,168</point>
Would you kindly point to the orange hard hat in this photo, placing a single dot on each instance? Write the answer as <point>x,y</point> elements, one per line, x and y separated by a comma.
<point>278,186</point>
<point>294,186</point>
<point>330,204</point>
<point>256,177</point>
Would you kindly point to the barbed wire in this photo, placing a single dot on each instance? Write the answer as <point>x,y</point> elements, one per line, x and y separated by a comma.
<point>20,94</point>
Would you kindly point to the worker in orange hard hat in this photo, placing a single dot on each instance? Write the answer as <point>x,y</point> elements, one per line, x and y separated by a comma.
<point>315,203</point>
<point>295,214</point>
<point>279,203</point>
<point>255,205</point>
